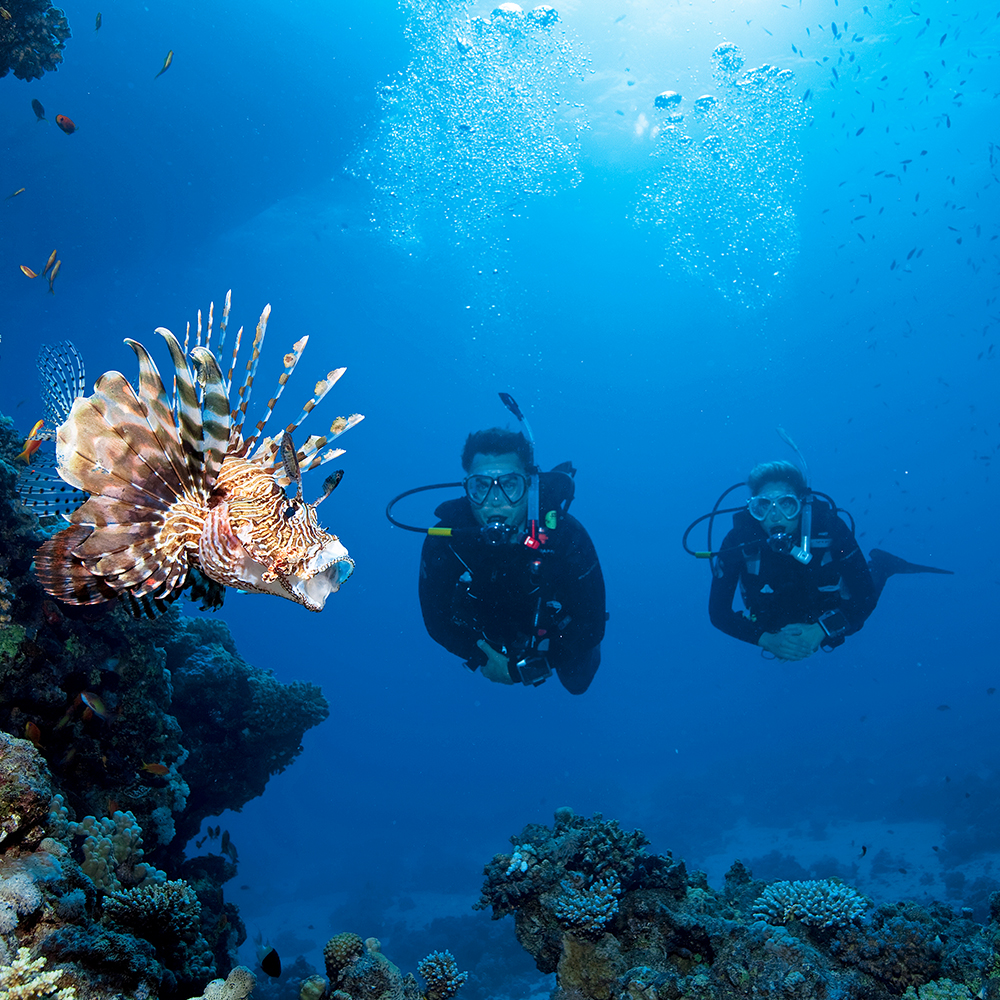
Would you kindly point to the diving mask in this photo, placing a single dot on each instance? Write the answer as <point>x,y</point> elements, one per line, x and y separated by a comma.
<point>512,485</point>
<point>788,506</point>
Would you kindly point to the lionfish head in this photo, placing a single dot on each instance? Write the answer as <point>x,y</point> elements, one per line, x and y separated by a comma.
<point>258,540</point>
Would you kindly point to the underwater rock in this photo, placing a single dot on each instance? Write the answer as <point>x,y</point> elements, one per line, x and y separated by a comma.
<point>100,942</point>
<point>162,718</point>
<point>32,38</point>
<point>670,936</point>
<point>238,985</point>
<point>134,733</point>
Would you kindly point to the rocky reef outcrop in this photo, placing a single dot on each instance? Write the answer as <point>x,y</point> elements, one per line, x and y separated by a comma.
<point>616,923</point>
<point>118,738</point>
<point>32,37</point>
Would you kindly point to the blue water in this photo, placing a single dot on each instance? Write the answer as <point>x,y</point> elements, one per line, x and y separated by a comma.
<point>229,171</point>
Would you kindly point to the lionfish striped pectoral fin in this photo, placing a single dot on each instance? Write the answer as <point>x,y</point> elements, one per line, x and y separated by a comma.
<point>65,577</point>
<point>142,521</point>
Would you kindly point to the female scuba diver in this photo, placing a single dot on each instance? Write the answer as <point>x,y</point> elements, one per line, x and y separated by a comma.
<point>802,577</point>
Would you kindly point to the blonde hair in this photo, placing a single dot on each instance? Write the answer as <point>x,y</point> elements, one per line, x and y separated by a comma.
<point>777,472</point>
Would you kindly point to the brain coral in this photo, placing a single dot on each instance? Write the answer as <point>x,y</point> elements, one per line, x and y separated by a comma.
<point>340,951</point>
<point>823,903</point>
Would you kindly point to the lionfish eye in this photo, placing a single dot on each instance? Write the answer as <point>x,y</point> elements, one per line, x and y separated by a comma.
<point>290,512</point>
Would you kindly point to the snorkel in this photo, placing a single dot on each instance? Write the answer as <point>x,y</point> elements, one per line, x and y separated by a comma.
<point>534,538</point>
<point>802,551</point>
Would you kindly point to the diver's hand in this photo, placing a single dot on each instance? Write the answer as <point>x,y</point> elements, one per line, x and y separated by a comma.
<point>793,642</point>
<point>495,667</point>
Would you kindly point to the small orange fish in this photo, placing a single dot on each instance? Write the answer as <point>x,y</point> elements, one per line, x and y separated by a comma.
<point>51,261</point>
<point>157,769</point>
<point>27,270</point>
<point>66,124</point>
<point>15,194</point>
<point>33,733</point>
<point>31,444</point>
<point>52,276</point>
<point>94,703</point>
<point>112,806</point>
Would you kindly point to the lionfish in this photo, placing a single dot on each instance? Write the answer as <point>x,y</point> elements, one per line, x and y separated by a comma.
<point>178,497</point>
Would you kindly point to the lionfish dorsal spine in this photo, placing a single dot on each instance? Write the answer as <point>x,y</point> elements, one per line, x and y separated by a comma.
<point>322,388</point>
<point>232,366</point>
<point>290,361</point>
<point>160,416</point>
<point>215,413</point>
<point>188,409</point>
<point>240,413</point>
<point>223,323</point>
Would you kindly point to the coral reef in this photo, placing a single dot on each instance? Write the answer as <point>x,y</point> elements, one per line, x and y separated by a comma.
<point>440,972</point>
<point>134,733</point>
<point>339,952</point>
<point>102,694</point>
<point>83,899</point>
<point>823,903</point>
<point>359,971</point>
<point>32,38</point>
<point>615,924</point>
<point>238,985</point>
<point>25,979</point>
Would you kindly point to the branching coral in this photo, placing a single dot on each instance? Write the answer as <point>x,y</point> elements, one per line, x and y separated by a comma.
<point>588,908</point>
<point>440,970</point>
<point>823,903</point>
<point>158,910</point>
<point>25,979</point>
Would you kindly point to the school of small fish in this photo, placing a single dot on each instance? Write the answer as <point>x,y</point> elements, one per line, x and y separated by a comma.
<point>176,489</point>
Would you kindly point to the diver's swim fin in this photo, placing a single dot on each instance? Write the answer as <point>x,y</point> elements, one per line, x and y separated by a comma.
<point>889,565</point>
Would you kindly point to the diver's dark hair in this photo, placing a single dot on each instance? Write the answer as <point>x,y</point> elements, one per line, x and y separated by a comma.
<point>777,472</point>
<point>496,441</point>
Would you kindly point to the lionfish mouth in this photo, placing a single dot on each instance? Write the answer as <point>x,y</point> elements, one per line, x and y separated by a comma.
<point>174,487</point>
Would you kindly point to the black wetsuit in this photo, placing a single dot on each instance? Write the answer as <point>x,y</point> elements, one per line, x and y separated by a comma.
<point>470,590</point>
<point>778,590</point>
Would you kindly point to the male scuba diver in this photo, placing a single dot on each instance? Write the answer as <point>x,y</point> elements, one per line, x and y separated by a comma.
<point>509,581</point>
<point>802,577</point>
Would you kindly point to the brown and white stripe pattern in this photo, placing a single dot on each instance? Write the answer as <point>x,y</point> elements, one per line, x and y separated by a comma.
<point>171,489</point>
